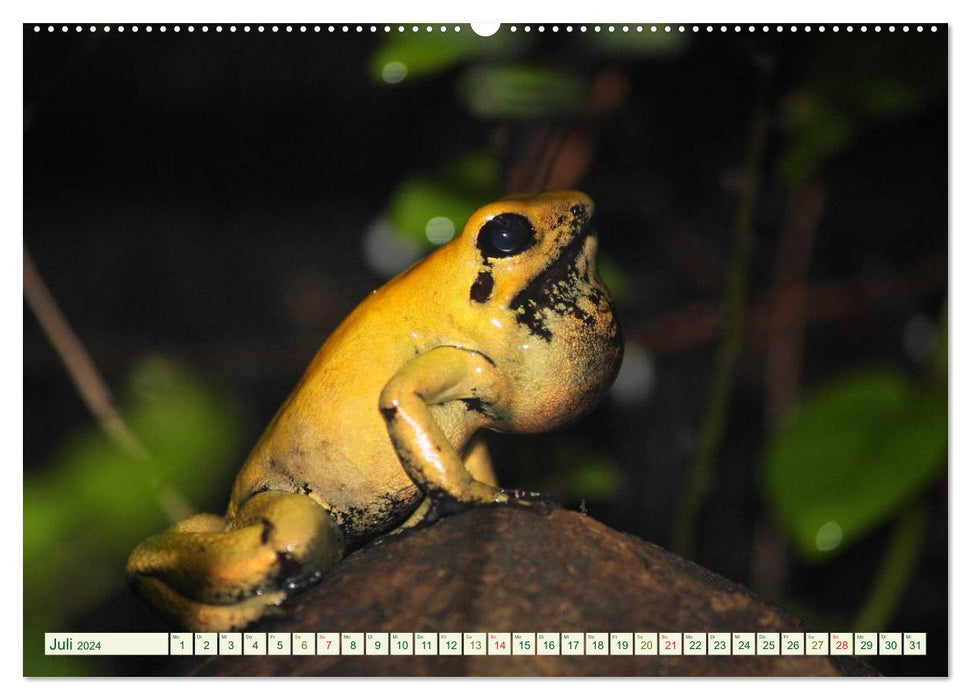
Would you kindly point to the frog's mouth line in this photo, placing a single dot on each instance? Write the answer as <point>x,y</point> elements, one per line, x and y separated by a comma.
<point>547,291</point>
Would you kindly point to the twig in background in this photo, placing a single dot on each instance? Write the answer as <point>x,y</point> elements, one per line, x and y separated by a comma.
<point>784,341</point>
<point>828,301</point>
<point>85,376</point>
<point>784,356</point>
<point>699,471</point>
<point>555,156</point>
<point>896,570</point>
<point>89,382</point>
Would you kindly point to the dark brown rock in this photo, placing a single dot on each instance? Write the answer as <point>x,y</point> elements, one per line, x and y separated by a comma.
<point>510,570</point>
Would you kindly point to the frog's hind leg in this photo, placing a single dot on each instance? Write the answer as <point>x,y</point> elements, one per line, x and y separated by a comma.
<point>214,573</point>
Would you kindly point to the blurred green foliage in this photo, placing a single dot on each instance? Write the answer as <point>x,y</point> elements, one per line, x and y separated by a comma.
<point>409,55</point>
<point>852,455</point>
<point>520,91</point>
<point>418,201</point>
<point>584,474</point>
<point>617,280</point>
<point>860,450</point>
<point>422,54</point>
<point>86,509</point>
<point>852,87</point>
<point>453,192</point>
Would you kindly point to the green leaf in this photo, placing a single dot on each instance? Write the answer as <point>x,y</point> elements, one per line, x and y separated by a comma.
<point>851,87</point>
<point>818,131</point>
<point>430,210</point>
<point>424,210</point>
<point>851,456</point>
<point>523,92</point>
<point>410,55</point>
<point>473,173</point>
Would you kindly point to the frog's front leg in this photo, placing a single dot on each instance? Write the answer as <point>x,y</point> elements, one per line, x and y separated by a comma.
<point>437,377</point>
<point>479,465</point>
<point>209,573</point>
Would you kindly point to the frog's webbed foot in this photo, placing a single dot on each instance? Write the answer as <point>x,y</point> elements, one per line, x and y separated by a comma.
<point>443,504</point>
<point>207,573</point>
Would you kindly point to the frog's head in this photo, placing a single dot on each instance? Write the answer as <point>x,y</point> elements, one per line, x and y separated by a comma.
<point>536,261</point>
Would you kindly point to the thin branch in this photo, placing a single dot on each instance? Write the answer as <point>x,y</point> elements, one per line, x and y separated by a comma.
<point>896,570</point>
<point>699,472</point>
<point>827,301</point>
<point>785,340</point>
<point>89,383</point>
<point>784,347</point>
<point>555,156</point>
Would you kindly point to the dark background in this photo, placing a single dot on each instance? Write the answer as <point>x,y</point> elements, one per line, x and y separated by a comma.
<point>204,197</point>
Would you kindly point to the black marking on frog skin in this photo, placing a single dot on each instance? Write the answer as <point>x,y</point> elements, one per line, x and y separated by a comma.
<point>267,530</point>
<point>360,523</point>
<point>557,288</point>
<point>305,489</point>
<point>482,287</point>
<point>476,404</point>
<point>291,482</point>
<point>389,413</point>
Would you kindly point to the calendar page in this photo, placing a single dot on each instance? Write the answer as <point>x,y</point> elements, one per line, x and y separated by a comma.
<point>518,349</point>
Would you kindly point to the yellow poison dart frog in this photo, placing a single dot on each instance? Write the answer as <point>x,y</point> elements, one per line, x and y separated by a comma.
<point>507,327</point>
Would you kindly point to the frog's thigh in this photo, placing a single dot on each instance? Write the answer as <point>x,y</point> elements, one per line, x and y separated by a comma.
<point>436,377</point>
<point>208,573</point>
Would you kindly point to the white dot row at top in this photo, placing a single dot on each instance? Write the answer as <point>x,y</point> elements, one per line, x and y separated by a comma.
<point>512,28</point>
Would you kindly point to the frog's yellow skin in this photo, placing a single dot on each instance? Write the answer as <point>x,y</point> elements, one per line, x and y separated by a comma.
<point>507,327</point>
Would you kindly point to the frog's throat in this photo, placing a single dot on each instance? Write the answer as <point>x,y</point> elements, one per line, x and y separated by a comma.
<point>555,288</point>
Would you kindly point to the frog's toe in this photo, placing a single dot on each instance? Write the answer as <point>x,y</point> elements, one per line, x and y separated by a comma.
<point>442,505</point>
<point>204,617</point>
<point>537,502</point>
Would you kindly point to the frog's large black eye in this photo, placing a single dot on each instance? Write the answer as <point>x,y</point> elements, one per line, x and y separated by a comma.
<point>505,235</point>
